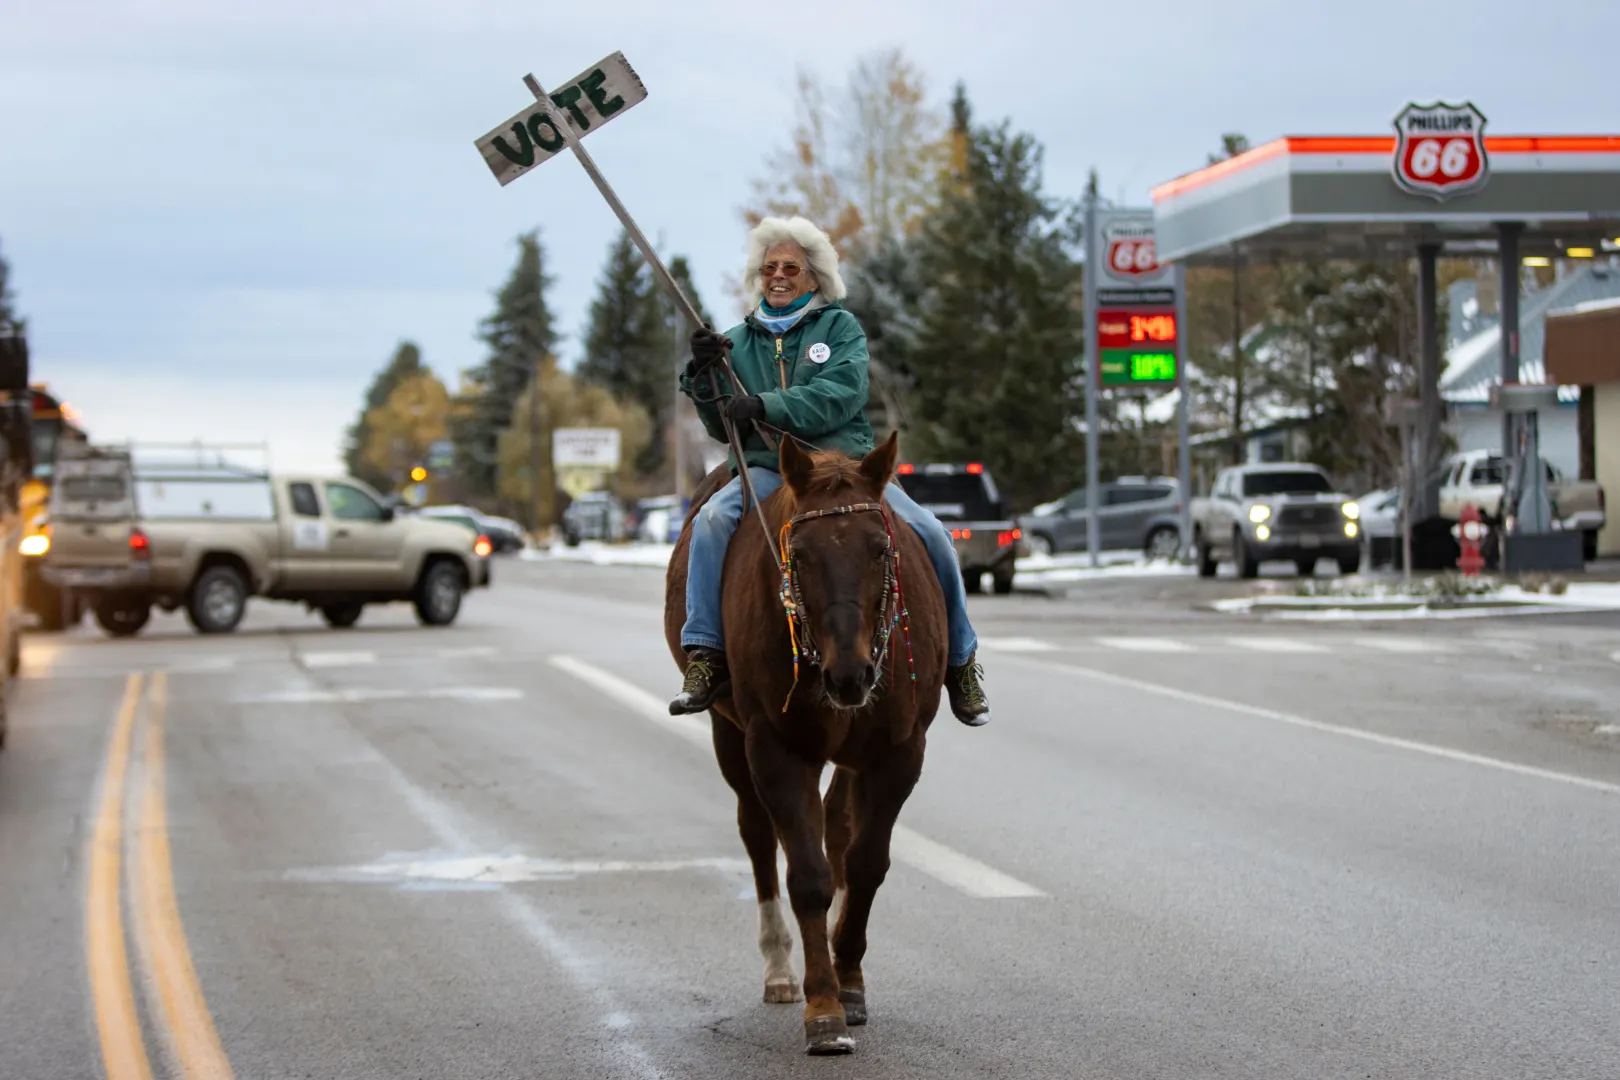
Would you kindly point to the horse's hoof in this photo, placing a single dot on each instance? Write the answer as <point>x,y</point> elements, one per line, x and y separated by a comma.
<point>854,1006</point>
<point>827,1035</point>
<point>783,993</point>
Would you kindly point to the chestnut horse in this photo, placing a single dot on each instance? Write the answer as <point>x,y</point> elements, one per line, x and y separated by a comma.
<point>864,705</point>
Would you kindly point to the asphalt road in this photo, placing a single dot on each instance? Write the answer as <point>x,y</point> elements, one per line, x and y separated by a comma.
<point>1188,846</point>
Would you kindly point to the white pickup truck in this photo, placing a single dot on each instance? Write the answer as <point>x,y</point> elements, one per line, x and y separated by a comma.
<point>1476,478</point>
<point>1256,513</point>
<point>127,538</point>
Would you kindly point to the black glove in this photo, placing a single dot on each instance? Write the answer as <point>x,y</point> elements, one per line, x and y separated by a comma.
<point>707,348</point>
<point>745,409</point>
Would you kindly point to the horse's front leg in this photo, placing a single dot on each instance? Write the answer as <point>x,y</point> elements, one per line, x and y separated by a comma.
<point>880,790</point>
<point>788,785</point>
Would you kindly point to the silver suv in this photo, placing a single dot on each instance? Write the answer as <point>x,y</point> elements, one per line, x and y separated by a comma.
<point>1136,513</point>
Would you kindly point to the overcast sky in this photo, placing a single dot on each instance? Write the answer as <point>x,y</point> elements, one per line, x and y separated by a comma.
<point>221,217</point>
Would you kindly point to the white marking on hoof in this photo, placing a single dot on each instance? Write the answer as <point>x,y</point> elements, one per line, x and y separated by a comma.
<point>776,946</point>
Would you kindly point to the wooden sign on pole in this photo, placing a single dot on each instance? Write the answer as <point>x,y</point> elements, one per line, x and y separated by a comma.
<point>588,100</point>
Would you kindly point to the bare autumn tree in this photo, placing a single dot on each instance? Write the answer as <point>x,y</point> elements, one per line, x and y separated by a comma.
<point>866,158</point>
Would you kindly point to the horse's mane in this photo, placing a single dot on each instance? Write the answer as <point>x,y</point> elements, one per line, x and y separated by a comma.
<point>831,471</point>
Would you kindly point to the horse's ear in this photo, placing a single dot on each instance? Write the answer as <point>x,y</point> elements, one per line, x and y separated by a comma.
<point>794,464</point>
<point>877,468</point>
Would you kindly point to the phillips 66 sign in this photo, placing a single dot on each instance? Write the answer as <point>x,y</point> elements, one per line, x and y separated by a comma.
<point>1440,150</point>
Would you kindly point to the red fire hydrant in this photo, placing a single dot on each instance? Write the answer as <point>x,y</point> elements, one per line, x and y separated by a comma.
<point>1470,531</point>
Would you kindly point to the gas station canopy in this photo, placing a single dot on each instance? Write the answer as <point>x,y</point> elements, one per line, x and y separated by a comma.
<point>1344,197</point>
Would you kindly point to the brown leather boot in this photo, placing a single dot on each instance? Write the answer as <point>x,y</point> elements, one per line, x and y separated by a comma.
<point>965,685</point>
<point>707,681</point>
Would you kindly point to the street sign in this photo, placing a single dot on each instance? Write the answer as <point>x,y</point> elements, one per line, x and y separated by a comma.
<point>1440,150</point>
<point>1132,305</point>
<point>441,455</point>
<point>585,448</point>
<point>577,481</point>
<point>589,100</point>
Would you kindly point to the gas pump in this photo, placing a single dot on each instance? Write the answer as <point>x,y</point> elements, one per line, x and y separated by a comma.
<point>1529,537</point>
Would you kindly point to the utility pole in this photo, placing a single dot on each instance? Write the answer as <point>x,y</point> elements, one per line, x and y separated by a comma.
<point>535,493</point>
<point>1237,357</point>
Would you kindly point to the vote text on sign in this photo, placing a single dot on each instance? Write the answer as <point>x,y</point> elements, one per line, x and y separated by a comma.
<point>585,448</point>
<point>588,100</point>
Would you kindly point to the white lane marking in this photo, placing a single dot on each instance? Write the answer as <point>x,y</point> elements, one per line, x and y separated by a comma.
<point>1205,701</point>
<point>1146,644</point>
<point>337,659</point>
<point>1276,645</point>
<point>1408,645</point>
<point>624,1050</point>
<point>938,861</point>
<point>1606,729</point>
<point>1016,644</point>
<point>508,869</point>
<point>1615,657</point>
<point>467,652</point>
<point>360,695</point>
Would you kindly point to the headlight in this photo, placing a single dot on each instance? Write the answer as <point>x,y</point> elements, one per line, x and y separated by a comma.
<point>38,544</point>
<point>1262,533</point>
<point>1259,512</point>
<point>1352,511</point>
<point>1350,529</point>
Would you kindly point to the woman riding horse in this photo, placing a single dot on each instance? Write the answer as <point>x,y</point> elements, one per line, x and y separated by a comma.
<point>802,361</point>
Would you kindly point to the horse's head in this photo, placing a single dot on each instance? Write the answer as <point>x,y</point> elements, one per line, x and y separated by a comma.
<point>841,560</point>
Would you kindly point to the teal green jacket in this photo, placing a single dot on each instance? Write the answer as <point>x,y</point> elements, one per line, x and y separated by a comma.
<point>824,403</point>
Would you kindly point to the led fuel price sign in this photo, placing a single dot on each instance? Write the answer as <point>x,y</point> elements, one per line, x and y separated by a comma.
<point>1137,348</point>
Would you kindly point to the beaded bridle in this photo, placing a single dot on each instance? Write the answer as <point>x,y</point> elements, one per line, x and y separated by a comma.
<point>892,611</point>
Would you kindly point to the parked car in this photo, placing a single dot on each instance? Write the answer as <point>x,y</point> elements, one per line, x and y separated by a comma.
<point>503,534</point>
<point>1135,512</point>
<point>1476,478</point>
<point>965,498</point>
<point>595,515</point>
<point>1379,513</point>
<point>659,519</point>
<point>1257,513</point>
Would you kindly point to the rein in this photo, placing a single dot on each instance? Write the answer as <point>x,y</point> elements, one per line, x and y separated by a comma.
<point>892,611</point>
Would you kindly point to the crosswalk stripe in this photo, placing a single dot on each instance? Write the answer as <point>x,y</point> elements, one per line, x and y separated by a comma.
<point>1276,645</point>
<point>1015,644</point>
<point>337,659</point>
<point>1146,644</point>
<point>1401,644</point>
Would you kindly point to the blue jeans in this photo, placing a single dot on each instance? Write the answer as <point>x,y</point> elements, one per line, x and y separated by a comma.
<point>711,533</point>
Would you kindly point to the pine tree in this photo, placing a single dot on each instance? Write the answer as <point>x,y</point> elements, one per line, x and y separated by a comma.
<point>628,348</point>
<point>8,313</point>
<point>520,334</point>
<point>406,363</point>
<point>997,367</point>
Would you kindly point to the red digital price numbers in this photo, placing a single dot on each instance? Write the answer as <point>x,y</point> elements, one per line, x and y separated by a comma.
<point>1123,329</point>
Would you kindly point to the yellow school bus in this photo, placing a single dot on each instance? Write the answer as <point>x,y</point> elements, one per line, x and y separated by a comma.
<point>52,423</point>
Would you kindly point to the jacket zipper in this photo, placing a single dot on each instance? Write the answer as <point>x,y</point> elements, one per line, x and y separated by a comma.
<point>781,365</point>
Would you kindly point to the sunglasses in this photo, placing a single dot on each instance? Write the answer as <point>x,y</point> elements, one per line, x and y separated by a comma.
<point>788,269</point>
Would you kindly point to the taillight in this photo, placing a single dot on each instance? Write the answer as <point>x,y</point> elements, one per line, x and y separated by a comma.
<point>139,546</point>
<point>1010,537</point>
<point>482,546</point>
<point>906,470</point>
<point>975,468</point>
<point>961,534</point>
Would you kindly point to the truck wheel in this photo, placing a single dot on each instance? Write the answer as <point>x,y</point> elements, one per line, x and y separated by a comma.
<point>1305,567</point>
<point>1248,566</point>
<point>122,616</point>
<point>1163,543</point>
<point>342,615</point>
<point>1207,565</point>
<point>438,594</point>
<point>13,651</point>
<point>1002,583</point>
<point>1349,564</point>
<point>973,581</point>
<point>1589,545</point>
<point>218,600</point>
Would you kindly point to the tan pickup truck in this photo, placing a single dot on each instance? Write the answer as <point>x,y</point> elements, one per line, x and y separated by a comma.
<point>129,537</point>
<point>1476,478</point>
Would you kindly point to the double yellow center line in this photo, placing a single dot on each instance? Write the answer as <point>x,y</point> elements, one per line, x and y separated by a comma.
<point>180,1007</point>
